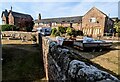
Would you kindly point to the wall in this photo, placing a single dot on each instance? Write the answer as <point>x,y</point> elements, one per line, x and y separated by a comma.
<point>11,19</point>
<point>62,64</point>
<point>19,34</point>
<point>4,19</point>
<point>96,27</point>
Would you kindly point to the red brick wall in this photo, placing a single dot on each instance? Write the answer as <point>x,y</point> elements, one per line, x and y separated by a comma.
<point>11,19</point>
<point>93,28</point>
<point>4,19</point>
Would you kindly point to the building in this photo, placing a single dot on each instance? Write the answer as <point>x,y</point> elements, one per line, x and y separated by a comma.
<point>94,22</point>
<point>62,21</point>
<point>23,21</point>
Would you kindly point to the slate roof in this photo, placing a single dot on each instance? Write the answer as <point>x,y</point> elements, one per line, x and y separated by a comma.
<point>115,19</point>
<point>96,9</point>
<point>5,13</point>
<point>20,15</point>
<point>75,19</point>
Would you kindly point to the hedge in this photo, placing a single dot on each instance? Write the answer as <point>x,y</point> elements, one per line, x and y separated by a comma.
<point>8,27</point>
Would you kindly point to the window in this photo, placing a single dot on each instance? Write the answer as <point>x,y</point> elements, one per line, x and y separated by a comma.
<point>68,21</point>
<point>40,23</point>
<point>72,21</point>
<point>3,21</point>
<point>93,20</point>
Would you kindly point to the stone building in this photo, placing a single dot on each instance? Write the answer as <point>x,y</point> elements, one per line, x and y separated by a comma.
<point>94,22</point>
<point>23,21</point>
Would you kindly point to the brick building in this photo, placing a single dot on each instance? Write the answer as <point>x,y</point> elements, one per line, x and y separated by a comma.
<point>22,21</point>
<point>94,22</point>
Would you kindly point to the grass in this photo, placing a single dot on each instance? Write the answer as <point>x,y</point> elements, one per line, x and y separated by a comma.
<point>108,59</point>
<point>21,61</point>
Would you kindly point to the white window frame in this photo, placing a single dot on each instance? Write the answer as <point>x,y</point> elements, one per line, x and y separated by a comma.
<point>93,20</point>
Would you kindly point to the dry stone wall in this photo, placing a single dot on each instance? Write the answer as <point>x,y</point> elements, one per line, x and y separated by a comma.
<point>61,64</point>
<point>19,34</point>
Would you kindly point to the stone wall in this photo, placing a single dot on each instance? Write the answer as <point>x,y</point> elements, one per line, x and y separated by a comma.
<point>19,34</point>
<point>63,64</point>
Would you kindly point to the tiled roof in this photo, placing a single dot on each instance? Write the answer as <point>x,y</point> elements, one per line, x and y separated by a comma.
<point>75,19</point>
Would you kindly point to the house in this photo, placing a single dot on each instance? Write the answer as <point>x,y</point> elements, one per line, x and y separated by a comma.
<point>94,23</point>
<point>61,21</point>
<point>20,20</point>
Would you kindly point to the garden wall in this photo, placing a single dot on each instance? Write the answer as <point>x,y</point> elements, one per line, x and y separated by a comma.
<point>19,34</point>
<point>62,64</point>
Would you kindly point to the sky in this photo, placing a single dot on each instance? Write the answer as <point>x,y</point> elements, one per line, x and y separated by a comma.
<point>61,8</point>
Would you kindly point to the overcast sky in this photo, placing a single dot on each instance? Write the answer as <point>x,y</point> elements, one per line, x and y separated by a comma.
<point>60,8</point>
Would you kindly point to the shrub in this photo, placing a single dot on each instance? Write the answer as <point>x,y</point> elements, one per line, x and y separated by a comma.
<point>54,30</point>
<point>79,33</point>
<point>8,27</point>
<point>57,33</point>
<point>29,29</point>
<point>62,29</point>
<point>69,31</point>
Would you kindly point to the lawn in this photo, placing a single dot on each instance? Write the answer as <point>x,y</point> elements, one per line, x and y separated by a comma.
<point>21,61</point>
<point>108,58</point>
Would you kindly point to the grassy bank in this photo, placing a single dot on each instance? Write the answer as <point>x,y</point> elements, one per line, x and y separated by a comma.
<point>22,62</point>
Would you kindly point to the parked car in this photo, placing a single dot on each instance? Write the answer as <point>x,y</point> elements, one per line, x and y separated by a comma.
<point>44,30</point>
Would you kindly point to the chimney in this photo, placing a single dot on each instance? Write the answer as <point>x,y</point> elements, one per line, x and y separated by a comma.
<point>11,8</point>
<point>39,17</point>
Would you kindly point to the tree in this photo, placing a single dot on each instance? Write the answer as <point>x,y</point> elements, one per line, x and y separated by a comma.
<point>25,24</point>
<point>62,29</point>
<point>54,30</point>
<point>117,27</point>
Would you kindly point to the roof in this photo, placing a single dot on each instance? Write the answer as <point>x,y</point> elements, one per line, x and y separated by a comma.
<point>115,19</point>
<point>5,13</point>
<point>74,19</point>
<point>20,15</point>
<point>96,9</point>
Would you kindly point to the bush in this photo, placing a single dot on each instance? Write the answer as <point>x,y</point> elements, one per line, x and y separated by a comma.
<point>62,29</point>
<point>8,27</point>
<point>29,29</point>
<point>57,33</point>
<point>71,31</point>
<point>54,30</point>
<point>79,33</point>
